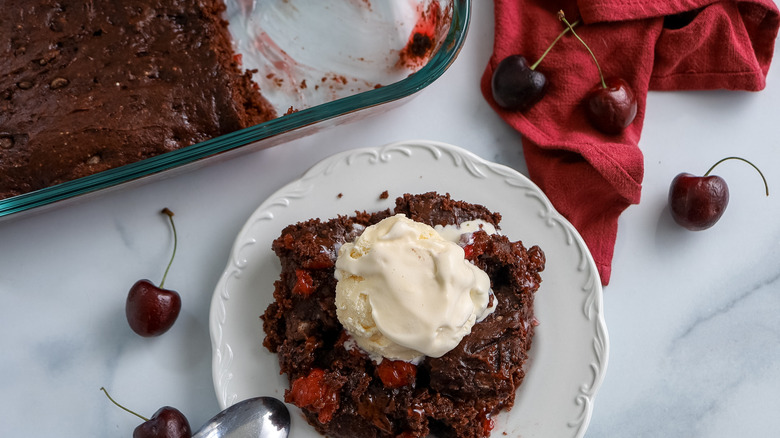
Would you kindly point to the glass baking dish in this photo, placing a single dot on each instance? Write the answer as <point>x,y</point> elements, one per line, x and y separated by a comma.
<point>324,64</point>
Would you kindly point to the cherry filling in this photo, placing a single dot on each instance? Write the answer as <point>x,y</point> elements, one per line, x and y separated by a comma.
<point>304,285</point>
<point>396,373</point>
<point>315,393</point>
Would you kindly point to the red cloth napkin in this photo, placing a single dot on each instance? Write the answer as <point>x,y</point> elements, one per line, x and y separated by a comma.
<point>653,44</point>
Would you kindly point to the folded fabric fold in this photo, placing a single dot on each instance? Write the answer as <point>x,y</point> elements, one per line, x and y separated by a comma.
<point>591,178</point>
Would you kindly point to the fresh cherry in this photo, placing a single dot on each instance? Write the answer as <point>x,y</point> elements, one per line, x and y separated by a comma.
<point>611,105</point>
<point>152,310</point>
<point>516,86</point>
<point>698,202</point>
<point>167,422</point>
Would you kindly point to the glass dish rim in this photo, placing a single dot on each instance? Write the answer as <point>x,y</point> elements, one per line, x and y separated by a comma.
<point>432,70</point>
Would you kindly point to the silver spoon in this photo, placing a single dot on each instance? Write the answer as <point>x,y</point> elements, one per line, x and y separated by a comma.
<point>262,417</point>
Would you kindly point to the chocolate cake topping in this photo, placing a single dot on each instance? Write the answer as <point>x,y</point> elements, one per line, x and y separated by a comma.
<point>122,81</point>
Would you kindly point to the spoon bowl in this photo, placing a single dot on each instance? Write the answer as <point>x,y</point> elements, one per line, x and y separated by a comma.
<point>262,417</point>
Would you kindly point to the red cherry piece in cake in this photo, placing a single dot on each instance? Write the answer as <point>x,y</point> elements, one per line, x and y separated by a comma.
<point>313,393</point>
<point>304,284</point>
<point>469,250</point>
<point>396,373</point>
<point>488,424</point>
<point>307,390</point>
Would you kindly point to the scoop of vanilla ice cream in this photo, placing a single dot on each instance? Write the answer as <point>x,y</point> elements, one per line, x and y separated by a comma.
<point>404,292</point>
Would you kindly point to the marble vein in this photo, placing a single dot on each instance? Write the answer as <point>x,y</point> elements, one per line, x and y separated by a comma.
<point>725,308</point>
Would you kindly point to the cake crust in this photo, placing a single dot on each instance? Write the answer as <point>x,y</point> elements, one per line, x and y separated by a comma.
<point>90,86</point>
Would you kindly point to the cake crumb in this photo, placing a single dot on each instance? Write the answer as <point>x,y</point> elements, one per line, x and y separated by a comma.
<point>340,195</point>
<point>384,195</point>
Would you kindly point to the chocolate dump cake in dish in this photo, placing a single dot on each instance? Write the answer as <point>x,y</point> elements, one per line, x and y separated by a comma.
<point>410,321</point>
<point>97,94</point>
<point>91,86</point>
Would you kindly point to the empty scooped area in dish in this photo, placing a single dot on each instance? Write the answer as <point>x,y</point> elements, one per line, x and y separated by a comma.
<point>309,53</point>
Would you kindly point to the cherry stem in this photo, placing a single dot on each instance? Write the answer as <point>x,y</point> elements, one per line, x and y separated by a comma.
<point>128,410</point>
<point>766,186</point>
<point>562,17</point>
<point>169,213</point>
<point>560,35</point>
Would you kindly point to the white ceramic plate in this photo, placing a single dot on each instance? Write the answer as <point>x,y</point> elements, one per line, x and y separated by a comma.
<point>569,355</point>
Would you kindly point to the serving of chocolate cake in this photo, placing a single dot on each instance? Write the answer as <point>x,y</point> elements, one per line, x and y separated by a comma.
<point>344,391</point>
<point>90,86</point>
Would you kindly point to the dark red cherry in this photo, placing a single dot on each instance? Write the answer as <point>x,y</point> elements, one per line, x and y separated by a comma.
<point>698,202</point>
<point>611,105</point>
<point>516,87</point>
<point>612,108</point>
<point>152,310</point>
<point>167,422</point>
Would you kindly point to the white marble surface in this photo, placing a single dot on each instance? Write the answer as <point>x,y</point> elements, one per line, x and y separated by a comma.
<point>693,318</point>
